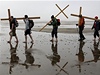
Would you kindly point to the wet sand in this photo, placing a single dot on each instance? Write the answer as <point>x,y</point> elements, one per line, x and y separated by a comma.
<point>61,30</point>
<point>66,57</point>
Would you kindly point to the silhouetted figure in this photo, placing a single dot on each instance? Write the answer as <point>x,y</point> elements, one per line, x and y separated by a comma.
<point>55,28</point>
<point>96,51</point>
<point>96,27</point>
<point>29,57</point>
<point>12,30</point>
<point>81,54</point>
<point>27,29</point>
<point>14,58</point>
<point>81,27</point>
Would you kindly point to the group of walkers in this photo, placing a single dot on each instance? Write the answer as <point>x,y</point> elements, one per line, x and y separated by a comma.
<point>53,22</point>
<point>13,29</point>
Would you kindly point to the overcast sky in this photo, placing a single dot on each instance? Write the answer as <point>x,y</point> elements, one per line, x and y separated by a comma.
<point>45,8</point>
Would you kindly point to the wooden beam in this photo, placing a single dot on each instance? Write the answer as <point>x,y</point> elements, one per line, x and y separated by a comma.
<point>21,18</point>
<point>61,11</point>
<point>84,17</point>
<point>55,17</point>
<point>80,12</point>
<point>17,18</point>
<point>9,15</point>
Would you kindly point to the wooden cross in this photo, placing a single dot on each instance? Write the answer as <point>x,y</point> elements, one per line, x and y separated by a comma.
<point>80,13</point>
<point>61,11</point>
<point>9,14</point>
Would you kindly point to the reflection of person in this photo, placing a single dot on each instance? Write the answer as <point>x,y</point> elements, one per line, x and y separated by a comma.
<point>29,57</point>
<point>27,29</point>
<point>55,28</point>
<point>96,51</point>
<point>96,27</point>
<point>81,27</point>
<point>14,58</point>
<point>80,54</point>
<point>55,57</point>
<point>12,29</point>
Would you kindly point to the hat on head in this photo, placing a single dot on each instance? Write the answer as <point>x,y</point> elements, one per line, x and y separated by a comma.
<point>26,16</point>
<point>52,16</point>
<point>96,17</point>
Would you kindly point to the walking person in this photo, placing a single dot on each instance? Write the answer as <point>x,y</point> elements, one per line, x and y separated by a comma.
<point>27,29</point>
<point>96,27</point>
<point>12,29</point>
<point>81,27</point>
<point>55,28</point>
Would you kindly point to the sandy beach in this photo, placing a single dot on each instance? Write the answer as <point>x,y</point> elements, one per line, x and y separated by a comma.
<point>66,57</point>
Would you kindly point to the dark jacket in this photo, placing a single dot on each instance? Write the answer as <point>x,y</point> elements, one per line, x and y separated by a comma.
<point>96,25</point>
<point>54,23</point>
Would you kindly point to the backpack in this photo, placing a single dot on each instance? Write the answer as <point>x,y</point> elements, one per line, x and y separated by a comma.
<point>16,22</point>
<point>58,22</point>
<point>31,24</point>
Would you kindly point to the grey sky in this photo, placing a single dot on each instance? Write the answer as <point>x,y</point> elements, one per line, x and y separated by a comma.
<point>45,9</point>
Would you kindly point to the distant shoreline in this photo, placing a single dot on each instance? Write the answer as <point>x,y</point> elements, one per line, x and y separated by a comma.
<point>60,30</point>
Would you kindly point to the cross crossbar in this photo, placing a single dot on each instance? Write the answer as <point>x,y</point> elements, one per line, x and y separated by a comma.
<point>9,14</point>
<point>55,17</point>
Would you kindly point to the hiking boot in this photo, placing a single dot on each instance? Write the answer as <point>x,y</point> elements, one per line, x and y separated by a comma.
<point>83,38</point>
<point>80,40</point>
<point>51,40</point>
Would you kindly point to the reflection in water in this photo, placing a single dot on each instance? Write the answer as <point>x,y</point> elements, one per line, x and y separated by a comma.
<point>29,57</point>
<point>96,51</point>
<point>14,58</point>
<point>80,54</point>
<point>55,57</point>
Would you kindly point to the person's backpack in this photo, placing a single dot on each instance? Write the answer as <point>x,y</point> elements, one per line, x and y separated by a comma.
<point>16,22</point>
<point>58,22</point>
<point>31,23</point>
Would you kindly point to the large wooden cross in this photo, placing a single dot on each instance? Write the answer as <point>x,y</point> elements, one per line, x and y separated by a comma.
<point>61,11</point>
<point>80,13</point>
<point>21,18</point>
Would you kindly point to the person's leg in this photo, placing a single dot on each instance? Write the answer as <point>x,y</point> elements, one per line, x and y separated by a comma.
<point>16,36</point>
<point>56,32</point>
<point>16,39</point>
<point>97,33</point>
<point>94,35</point>
<point>10,39</point>
<point>31,38</point>
<point>80,34</point>
<point>25,37</point>
<point>52,34</point>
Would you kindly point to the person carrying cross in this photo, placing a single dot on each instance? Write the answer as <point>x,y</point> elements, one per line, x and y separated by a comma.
<point>81,27</point>
<point>96,27</point>
<point>12,29</point>
<point>55,28</point>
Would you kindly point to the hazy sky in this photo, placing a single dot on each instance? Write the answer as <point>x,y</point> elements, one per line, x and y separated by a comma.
<point>45,8</point>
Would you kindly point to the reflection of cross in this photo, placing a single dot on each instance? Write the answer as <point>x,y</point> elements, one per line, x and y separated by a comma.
<point>80,13</point>
<point>61,11</point>
<point>61,69</point>
<point>9,14</point>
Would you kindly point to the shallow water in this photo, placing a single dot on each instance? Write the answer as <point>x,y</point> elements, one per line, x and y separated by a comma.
<point>76,58</point>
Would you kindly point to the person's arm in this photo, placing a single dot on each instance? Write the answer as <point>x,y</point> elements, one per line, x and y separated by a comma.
<point>92,26</point>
